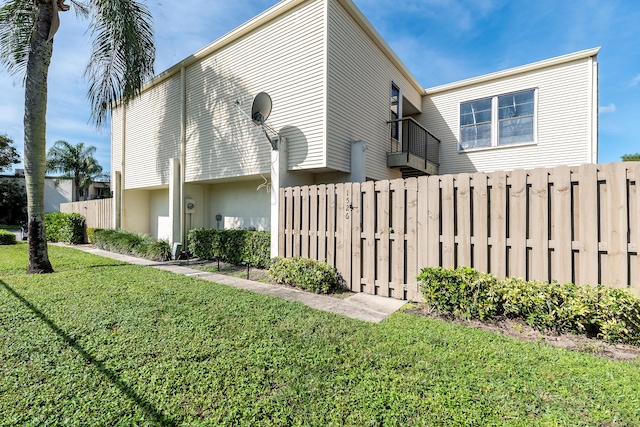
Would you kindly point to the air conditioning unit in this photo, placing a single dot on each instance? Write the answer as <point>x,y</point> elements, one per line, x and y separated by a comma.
<point>190,206</point>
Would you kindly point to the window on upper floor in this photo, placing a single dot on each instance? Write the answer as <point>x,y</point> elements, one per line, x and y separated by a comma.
<point>498,121</point>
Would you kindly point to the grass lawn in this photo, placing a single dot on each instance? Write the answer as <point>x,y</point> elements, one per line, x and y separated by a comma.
<point>102,343</point>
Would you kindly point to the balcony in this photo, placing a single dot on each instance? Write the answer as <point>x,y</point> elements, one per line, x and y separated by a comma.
<point>414,150</point>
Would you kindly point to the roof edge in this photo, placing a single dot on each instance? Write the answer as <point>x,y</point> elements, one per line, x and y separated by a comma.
<point>514,71</point>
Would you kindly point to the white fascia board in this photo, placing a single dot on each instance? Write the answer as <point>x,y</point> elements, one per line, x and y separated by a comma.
<point>589,53</point>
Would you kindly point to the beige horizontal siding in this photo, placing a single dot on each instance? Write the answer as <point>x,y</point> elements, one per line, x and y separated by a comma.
<point>283,58</point>
<point>152,135</point>
<point>359,84</point>
<point>562,123</point>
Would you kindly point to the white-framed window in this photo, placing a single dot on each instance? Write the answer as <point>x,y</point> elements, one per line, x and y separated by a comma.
<point>499,120</point>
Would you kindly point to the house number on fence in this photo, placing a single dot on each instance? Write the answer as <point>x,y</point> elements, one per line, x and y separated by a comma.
<point>349,208</point>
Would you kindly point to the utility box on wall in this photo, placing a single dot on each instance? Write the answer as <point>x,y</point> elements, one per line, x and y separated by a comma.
<point>190,206</point>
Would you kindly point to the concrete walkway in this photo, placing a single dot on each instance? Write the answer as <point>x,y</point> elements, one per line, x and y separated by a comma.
<point>370,308</point>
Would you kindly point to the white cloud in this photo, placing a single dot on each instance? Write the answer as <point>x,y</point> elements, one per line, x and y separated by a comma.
<point>610,108</point>
<point>635,81</point>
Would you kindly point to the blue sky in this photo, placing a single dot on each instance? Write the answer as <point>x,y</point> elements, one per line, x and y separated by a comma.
<point>440,41</point>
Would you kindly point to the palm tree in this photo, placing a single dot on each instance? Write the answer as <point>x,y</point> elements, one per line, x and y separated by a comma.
<point>76,163</point>
<point>122,58</point>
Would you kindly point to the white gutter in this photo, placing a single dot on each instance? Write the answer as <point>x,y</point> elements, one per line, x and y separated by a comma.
<point>183,151</point>
<point>513,71</point>
<point>593,110</point>
<point>123,140</point>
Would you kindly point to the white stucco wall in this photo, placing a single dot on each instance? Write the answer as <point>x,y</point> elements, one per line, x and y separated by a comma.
<point>136,211</point>
<point>54,194</point>
<point>240,204</point>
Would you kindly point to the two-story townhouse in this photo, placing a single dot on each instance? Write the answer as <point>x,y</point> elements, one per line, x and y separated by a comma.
<point>186,153</point>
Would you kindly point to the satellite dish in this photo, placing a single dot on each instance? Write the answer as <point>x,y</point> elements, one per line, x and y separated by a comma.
<point>260,108</point>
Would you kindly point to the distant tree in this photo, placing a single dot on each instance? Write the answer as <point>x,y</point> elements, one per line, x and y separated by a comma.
<point>121,60</point>
<point>631,157</point>
<point>8,153</point>
<point>13,202</point>
<point>74,162</point>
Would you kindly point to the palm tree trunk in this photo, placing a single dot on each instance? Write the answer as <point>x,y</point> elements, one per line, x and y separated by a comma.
<point>35,143</point>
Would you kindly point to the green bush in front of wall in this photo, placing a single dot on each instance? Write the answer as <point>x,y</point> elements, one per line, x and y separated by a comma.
<point>202,242</point>
<point>7,238</point>
<point>232,246</point>
<point>130,243</point>
<point>64,227</point>
<point>599,311</point>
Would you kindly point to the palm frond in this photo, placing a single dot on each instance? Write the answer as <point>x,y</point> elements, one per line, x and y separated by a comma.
<point>17,22</point>
<point>122,55</point>
<point>82,9</point>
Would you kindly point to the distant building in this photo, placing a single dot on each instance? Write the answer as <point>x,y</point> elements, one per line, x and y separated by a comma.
<point>56,190</point>
<point>61,190</point>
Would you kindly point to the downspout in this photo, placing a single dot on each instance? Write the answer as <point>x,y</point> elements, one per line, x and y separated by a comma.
<point>183,151</point>
<point>123,140</point>
<point>595,117</point>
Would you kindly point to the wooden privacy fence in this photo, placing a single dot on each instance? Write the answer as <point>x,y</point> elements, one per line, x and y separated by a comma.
<point>578,224</point>
<point>97,212</point>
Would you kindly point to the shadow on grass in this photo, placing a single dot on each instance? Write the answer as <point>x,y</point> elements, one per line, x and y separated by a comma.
<point>157,416</point>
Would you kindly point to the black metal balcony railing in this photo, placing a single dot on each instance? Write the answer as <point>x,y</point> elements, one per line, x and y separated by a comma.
<point>410,137</point>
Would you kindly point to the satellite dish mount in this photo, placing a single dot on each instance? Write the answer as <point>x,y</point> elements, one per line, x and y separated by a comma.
<point>260,111</point>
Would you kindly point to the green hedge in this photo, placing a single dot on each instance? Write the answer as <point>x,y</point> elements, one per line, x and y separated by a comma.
<point>63,227</point>
<point>607,313</point>
<point>130,243</point>
<point>232,246</point>
<point>305,273</point>
<point>463,292</point>
<point>7,238</point>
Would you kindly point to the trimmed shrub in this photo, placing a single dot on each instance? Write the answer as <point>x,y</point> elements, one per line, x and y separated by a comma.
<point>606,313</point>
<point>63,227</point>
<point>463,292</point>
<point>232,246</point>
<point>7,238</point>
<point>202,242</point>
<point>305,273</point>
<point>257,248</point>
<point>130,243</point>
